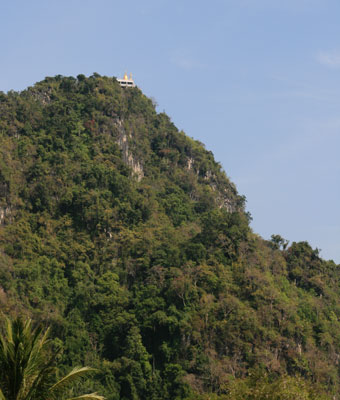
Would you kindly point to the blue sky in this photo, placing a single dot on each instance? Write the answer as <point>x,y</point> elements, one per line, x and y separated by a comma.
<point>257,81</point>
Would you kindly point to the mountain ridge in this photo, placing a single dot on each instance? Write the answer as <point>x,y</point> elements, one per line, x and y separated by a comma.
<point>127,237</point>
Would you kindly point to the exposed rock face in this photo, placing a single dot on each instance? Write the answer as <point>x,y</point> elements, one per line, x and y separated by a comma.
<point>224,200</point>
<point>43,96</point>
<point>190,163</point>
<point>4,213</point>
<point>128,157</point>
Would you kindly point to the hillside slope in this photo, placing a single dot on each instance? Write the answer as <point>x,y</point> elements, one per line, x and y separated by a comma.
<point>127,238</point>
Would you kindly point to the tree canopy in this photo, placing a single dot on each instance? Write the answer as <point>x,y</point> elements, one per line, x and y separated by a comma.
<point>127,238</point>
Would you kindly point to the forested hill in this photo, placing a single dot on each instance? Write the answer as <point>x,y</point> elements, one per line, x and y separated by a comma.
<point>127,238</point>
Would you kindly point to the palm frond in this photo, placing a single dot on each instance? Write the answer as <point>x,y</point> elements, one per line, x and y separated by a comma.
<point>70,378</point>
<point>28,366</point>
<point>91,396</point>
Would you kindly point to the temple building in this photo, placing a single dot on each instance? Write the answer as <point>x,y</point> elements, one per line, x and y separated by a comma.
<point>126,82</point>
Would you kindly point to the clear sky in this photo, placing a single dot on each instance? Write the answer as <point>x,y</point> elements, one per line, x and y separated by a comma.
<point>257,81</point>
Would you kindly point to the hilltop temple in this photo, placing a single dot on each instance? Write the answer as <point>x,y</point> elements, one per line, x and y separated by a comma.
<point>126,82</point>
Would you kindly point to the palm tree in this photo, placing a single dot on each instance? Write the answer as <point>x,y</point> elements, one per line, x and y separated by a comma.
<point>27,366</point>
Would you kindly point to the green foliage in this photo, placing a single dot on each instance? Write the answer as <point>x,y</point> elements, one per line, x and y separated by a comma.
<point>27,370</point>
<point>127,238</point>
<point>258,387</point>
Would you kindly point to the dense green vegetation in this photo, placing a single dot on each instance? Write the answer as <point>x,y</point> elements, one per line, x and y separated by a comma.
<point>27,366</point>
<point>127,239</point>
